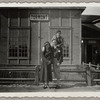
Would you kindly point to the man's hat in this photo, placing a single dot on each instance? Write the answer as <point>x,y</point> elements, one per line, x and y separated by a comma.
<point>58,31</point>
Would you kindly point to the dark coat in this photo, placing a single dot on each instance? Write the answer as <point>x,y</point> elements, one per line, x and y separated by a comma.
<point>59,45</point>
<point>58,53</point>
<point>46,72</point>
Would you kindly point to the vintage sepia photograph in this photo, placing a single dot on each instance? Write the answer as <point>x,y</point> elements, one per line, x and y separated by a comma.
<point>51,47</point>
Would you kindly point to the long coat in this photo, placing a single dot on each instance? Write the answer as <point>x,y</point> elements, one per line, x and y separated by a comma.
<point>46,72</point>
<point>60,44</point>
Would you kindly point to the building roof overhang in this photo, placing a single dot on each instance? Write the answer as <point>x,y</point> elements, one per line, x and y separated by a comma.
<point>90,19</point>
<point>45,1</point>
<point>69,4</point>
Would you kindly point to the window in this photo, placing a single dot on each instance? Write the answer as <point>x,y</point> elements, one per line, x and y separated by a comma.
<point>19,42</point>
<point>18,35</point>
<point>13,48</point>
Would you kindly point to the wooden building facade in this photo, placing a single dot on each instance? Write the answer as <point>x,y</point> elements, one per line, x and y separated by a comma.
<point>23,32</point>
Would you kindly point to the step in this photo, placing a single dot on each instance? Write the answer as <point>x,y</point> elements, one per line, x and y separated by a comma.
<point>72,73</point>
<point>72,67</point>
<point>70,80</point>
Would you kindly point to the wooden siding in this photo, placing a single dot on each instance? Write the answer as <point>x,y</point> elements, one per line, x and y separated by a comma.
<point>76,45</point>
<point>67,20</point>
<point>3,38</point>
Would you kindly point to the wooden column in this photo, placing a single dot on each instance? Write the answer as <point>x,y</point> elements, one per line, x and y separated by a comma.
<point>88,73</point>
<point>37,75</point>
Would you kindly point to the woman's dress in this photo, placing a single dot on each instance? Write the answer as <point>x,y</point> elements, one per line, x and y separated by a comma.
<point>46,72</point>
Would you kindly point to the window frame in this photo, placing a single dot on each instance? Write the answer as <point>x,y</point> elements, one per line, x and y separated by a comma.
<point>28,45</point>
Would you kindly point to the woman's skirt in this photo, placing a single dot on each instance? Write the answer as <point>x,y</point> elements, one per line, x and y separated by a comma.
<point>46,72</point>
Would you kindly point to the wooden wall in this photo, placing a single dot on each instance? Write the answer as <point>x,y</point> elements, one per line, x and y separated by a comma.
<point>3,37</point>
<point>67,20</point>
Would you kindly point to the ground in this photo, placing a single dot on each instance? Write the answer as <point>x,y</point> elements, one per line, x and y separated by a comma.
<point>65,87</point>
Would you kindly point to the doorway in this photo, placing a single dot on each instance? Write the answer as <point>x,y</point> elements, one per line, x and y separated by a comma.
<point>89,53</point>
<point>93,53</point>
<point>39,35</point>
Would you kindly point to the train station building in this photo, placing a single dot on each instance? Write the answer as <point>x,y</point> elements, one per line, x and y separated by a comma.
<point>24,30</point>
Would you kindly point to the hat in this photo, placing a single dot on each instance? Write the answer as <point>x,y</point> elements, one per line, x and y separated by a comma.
<point>46,43</point>
<point>58,31</point>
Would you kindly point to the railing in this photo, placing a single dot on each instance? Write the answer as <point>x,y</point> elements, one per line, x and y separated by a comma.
<point>11,74</point>
<point>75,70</point>
<point>90,70</point>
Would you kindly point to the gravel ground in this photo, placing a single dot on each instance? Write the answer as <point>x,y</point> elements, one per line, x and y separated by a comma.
<point>65,87</point>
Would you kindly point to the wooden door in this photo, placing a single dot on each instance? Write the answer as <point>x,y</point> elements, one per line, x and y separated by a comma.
<point>44,34</point>
<point>44,30</point>
<point>35,43</point>
<point>39,35</point>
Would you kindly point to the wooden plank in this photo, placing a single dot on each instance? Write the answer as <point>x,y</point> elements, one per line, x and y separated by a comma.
<point>29,43</point>
<point>17,65</point>
<point>3,68</point>
<point>8,39</point>
<point>96,80</point>
<point>79,71</point>
<point>89,75</point>
<point>71,80</point>
<point>95,71</point>
<point>60,18</point>
<point>19,27</point>
<point>17,69</point>
<point>39,42</point>
<point>17,82</point>
<point>71,38</point>
<point>16,79</point>
<point>34,40</point>
<point>61,27</point>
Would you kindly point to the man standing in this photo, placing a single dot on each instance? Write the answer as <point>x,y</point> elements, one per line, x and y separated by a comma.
<point>58,55</point>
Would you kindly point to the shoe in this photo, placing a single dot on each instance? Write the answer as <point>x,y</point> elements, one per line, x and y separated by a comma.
<point>57,87</point>
<point>44,87</point>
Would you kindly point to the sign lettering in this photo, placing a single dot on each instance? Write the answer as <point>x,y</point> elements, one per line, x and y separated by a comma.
<point>38,17</point>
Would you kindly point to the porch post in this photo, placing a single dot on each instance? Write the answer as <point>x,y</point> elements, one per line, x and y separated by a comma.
<point>88,74</point>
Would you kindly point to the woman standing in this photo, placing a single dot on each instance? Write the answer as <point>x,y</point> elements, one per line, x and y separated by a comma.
<point>46,73</point>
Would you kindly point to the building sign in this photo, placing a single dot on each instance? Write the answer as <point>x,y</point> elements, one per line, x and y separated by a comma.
<point>38,17</point>
<point>91,41</point>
